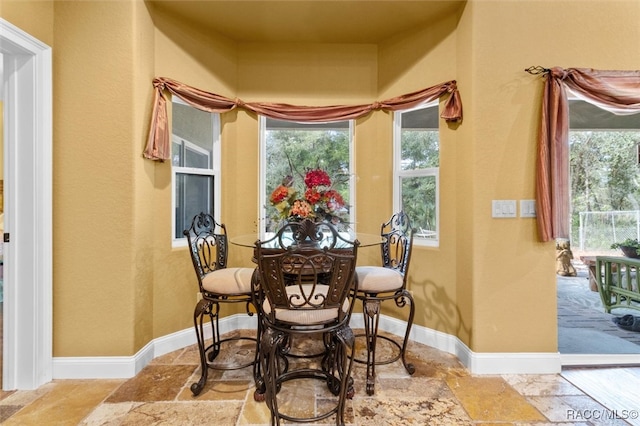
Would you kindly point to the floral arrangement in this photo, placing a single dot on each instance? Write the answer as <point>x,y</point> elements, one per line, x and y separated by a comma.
<point>319,200</point>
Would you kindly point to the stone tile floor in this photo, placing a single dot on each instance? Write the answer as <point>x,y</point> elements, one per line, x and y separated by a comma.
<point>441,392</point>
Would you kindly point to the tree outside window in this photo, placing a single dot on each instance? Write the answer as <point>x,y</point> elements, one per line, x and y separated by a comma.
<point>291,149</point>
<point>605,176</point>
<point>416,170</point>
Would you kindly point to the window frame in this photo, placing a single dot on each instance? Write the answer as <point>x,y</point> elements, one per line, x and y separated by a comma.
<point>262,198</point>
<point>399,174</point>
<point>215,171</point>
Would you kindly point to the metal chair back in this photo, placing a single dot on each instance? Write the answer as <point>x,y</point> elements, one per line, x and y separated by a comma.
<point>398,243</point>
<point>208,246</point>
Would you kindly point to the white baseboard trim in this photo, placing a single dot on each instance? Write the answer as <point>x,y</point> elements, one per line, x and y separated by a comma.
<point>584,360</point>
<point>123,367</point>
<point>476,363</point>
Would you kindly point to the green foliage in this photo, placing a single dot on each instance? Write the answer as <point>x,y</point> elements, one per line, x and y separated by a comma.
<point>604,173</point>
<point>629,242</point>
<point>420,150</point>
<point>293,152</point>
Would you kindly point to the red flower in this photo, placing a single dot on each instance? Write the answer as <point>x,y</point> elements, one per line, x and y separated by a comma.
<point>320,199</point>
<point>312,196</point>
<point>279,194</point>
<point>317,177</point>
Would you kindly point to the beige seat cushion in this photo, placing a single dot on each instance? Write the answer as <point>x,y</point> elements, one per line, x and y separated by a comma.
<point>228,281</point>
<point>377,279</point>
<point>304,316</point>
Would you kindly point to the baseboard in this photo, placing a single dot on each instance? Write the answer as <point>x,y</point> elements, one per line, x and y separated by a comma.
<point>585,360</point>
<point>476,363</point>
<point>123,367</point>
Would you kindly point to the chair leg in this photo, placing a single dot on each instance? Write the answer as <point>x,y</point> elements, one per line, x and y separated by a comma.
<point>401,301</point>
<point>203,307</point>
<point>371,314</point>
<point>258,373</point>
<point>332,363</point>
<point>344,363</point>
<point>269,354</point>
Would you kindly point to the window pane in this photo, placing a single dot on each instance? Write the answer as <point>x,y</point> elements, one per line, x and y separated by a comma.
<point>419,149</point>
<point>197,158</point>
<point>419,202</point>
<point>293,148</point>
<point>417,162</point>
<point>193,130</point>
<point>194,194</point>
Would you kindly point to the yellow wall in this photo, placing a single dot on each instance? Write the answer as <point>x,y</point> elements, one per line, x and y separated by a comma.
<point>118,283</point>
<point>418,59</point>
<point>103,262</point>
<point>34,17</point>
<point>512,275</point>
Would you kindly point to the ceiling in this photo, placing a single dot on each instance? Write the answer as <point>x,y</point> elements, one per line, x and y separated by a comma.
<point>308,21</point>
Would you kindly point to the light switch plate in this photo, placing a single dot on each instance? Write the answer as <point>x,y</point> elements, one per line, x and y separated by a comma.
<point>503,208</point>
<point>527,208</point>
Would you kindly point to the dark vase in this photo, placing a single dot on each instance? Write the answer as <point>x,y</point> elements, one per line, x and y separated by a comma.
<point>304,232</point>
<point>629,251</point>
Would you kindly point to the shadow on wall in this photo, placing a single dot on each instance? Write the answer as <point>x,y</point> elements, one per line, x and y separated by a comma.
<point>443,310</point>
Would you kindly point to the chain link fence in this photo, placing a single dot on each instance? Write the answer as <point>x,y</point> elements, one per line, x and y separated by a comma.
<point>598,230</point>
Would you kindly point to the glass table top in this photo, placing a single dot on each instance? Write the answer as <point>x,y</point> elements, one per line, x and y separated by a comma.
<point>249,240</point>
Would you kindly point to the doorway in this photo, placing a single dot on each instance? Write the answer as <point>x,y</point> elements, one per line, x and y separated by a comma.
<point>605,208</point>
<point>27,251</point>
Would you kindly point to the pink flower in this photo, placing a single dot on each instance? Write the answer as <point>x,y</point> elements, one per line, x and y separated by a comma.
<point>334,198</point>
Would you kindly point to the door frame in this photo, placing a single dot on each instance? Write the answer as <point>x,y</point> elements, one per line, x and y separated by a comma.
<point>28,302</point>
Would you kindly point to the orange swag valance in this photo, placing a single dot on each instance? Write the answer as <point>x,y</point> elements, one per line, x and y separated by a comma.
<point>158,146</point>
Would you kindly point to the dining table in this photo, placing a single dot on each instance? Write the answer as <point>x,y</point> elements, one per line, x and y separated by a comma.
<point>250,240</point>
<point>269,242</point>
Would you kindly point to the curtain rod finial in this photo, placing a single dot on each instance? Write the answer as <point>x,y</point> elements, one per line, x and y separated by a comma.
<point>535,70</point>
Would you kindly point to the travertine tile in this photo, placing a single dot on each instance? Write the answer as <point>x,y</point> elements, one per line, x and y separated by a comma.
<point>541,385</point>
<point>254,413</point>
<point>492,399</point>
<point>66,403</point>
<point>441,392</point>
<point>219,413</point>
<point>109,414</point>
<point>409,411</point>
<point>220,390</point>
<point>575,409</point>
<point>154,383</point>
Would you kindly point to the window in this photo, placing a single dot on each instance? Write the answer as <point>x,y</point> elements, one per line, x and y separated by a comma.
<point>416,170</point>
<point>289,148</point>
<point>195,161</point>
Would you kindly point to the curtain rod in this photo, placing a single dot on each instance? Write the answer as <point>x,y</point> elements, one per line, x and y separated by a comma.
<point>535,70</point>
